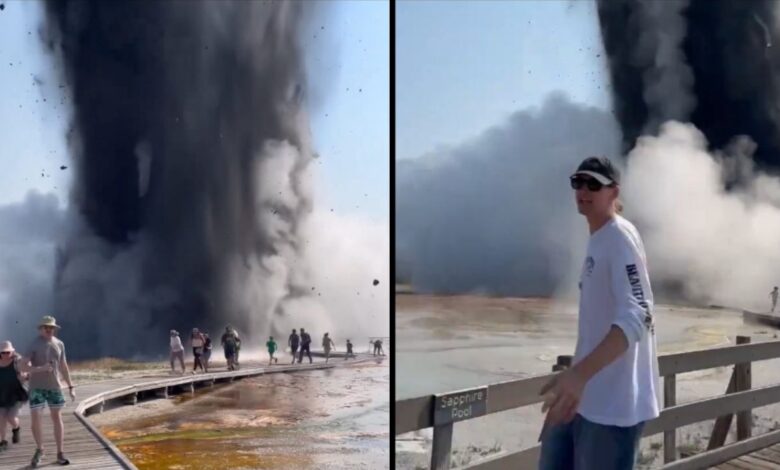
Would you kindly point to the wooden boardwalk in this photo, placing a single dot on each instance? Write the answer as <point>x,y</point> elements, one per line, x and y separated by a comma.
<point>85,447</point>
<point>764,459</point>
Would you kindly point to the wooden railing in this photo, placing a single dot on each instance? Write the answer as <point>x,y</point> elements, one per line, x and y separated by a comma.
<point>419,413</point>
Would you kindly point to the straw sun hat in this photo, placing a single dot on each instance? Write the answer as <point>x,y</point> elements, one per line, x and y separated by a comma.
<point>48,321</point>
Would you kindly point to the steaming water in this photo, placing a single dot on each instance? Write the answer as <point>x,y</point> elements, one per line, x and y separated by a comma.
<point>472,342</point>
<point>331,419</point>
<point>450,343</point>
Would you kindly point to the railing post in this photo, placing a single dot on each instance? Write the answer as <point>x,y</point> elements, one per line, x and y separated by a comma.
<point>722,424</point>
<point>562,363</point>
<point>670,436</point>
<point>442,447</point>
<point>743,382</point>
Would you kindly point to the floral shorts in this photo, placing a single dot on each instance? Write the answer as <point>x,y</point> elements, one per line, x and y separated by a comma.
<point>40,397</point>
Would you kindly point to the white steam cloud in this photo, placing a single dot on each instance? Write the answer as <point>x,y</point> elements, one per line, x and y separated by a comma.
<point>722,244</point>
<point>496,215</point>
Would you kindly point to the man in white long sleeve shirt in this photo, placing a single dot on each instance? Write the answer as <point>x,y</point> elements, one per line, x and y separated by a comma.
<point>596,410</point>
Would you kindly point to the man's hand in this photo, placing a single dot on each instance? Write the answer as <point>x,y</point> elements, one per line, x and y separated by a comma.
<point>72,393</point>
<point>562,397</point>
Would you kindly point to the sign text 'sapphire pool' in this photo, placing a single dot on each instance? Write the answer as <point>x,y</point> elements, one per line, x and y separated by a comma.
<point>458,406</point>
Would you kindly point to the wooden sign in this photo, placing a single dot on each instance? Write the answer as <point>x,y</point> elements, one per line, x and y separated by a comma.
<point>458,406</point>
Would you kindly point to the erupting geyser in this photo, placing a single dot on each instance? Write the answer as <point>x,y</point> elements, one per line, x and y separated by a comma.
<point>713,63</point>
<point>190,145</point>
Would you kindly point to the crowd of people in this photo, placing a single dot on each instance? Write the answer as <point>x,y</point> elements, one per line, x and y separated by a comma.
<point>37,376</point>
<point>201,346</point>
<point>299,346</point>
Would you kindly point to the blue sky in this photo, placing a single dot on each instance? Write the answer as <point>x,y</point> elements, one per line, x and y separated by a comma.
<point>350,121</point>
<point>464,66</point>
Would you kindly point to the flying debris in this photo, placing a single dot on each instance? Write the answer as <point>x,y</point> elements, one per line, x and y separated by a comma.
<point>176,214</point>
<point>706,62</point>
<point>767,36</point>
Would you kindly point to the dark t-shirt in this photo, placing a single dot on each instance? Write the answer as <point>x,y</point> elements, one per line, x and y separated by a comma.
<point>305,339</point>
<point>294,340</point>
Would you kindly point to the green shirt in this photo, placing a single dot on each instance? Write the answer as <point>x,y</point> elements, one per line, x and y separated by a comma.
<point>271,345</point>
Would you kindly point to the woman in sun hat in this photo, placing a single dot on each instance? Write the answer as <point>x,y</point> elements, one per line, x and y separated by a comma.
<point>12,393</point>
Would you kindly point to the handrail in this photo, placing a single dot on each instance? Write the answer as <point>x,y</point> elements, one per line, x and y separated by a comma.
<point>413,414</point>
<point>418,413</point>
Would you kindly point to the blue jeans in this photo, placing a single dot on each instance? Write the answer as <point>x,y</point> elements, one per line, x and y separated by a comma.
<point>585,445</point>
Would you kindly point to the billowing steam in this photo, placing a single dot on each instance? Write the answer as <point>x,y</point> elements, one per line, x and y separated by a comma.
<point>192,202</point>
<point>496,215</point>
<point>695,97</point>
<point>721,244</point>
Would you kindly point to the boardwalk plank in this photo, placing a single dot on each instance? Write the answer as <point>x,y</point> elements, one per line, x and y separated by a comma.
<point>82,447</point>
<point>758,463</point>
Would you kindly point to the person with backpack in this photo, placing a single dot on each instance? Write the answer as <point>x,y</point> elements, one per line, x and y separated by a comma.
<point>327,344</point>
<point>230,346</point>
<point>197,341</point>
<point>206,351</point>
<point>305,346</point>
<point>234,332</point>
<point>271,345</point>
<point>293,341</point>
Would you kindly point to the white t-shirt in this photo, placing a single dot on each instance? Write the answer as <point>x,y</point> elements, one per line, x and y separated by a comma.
<point>176,345</point>
<point>615,290</point>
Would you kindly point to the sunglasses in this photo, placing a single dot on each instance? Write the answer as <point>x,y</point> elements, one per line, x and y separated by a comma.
<point>577,182</point>
<point>5,353</point>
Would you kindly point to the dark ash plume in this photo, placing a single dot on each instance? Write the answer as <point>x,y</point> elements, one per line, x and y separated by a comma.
<point>726,61</point>
<point>191,148</point>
